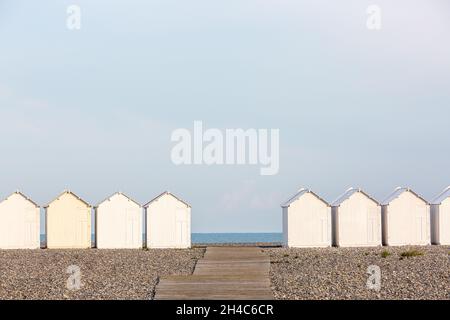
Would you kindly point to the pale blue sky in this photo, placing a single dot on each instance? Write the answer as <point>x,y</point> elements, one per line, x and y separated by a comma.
<point>93,110</point>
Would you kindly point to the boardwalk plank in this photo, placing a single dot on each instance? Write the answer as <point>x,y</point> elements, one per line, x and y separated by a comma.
<point>225,273</point>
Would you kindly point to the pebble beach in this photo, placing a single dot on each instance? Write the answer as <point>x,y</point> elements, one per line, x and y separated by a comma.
<point>341,273</point>
<point>105,274</point>
<point>295,274</point>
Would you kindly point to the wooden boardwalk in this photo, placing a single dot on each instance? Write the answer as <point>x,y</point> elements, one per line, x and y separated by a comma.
<point>224,273</point>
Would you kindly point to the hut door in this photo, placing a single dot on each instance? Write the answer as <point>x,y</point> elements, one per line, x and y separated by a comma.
<point>82,231</point>
<point>444,224</point>
<point>372,235</point>
<point>324,223</point>
<point>372,226</point>
<point>420,225</point>
<point>30,227</point>
<point>6,232</point>
<point>130,231</point>
<point>181,228</point>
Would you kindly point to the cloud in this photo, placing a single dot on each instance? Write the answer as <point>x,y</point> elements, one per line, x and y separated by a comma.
<point>265,201</point>
<point>247,195</point>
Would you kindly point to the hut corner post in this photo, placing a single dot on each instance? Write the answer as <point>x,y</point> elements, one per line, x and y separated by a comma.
<point>144,229</point>
<point>384,225</point>
<point>434,224</point>
<point>335,226</point>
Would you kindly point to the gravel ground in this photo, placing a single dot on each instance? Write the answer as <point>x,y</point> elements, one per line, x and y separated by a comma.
<point>341,273</point>
<point>105,274</point>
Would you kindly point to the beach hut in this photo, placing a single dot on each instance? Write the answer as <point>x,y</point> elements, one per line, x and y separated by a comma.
<point>306,221</point>
<point>118,223</point>
<point>406,219</point>
<point>19,223</point>
<point>440,218</point>
<point>68,222</point>
<point>168,222</point>
<point>356,220</point>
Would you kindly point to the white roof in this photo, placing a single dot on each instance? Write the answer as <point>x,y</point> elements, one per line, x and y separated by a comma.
<point>442,196</point>
<point>119,194</point>
<point>166,193</point>
<point>347,194</point>
<point>67,192</point>
<point>298,195</point>
<point>399,191</point>
<point>23,196</point>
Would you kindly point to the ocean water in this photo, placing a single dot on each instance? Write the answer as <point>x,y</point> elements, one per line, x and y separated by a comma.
<point>206,238</point>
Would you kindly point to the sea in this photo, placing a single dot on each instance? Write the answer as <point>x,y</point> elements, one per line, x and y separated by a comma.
<point>223,238</point>
<point>206,238</point>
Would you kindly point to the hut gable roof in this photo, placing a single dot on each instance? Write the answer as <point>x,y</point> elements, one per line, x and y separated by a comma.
<point>442,196</point>
<point>23,196</point>
<point>70,193</point>
<point>163,194</point>
<point>118,194</point>
<point>347,194</point>
<point>398,192</point>
<point>300,194</point>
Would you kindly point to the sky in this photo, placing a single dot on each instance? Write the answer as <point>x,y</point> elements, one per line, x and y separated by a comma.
<point>92,110</point>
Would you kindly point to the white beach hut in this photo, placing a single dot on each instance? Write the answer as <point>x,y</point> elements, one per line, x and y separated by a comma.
<point>19,223</point>
<point>118,223</point>
<point>406,219</point>
<point>168,222</point>
<point>306,221</point>
<point>356,220</point>
<point>68,222</point>
<point>440,218</point>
